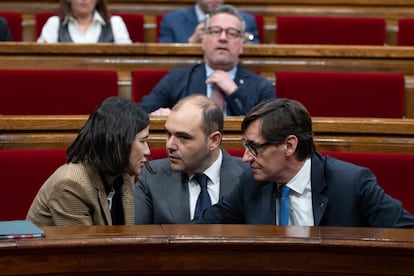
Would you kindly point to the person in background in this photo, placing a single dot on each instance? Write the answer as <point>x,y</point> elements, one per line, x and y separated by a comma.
<point>220,76</point>
<point>291,184</point>
<point>95,186</point>
<point>5,33</point>
<point>84,21</point>
<point>186,25</point>
<point>194,133</point>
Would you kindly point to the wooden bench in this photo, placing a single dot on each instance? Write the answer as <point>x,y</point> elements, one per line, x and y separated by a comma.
<point>210,250</point>
<point>266,59</point>
<point>331,134</point>
<point>270,9</point>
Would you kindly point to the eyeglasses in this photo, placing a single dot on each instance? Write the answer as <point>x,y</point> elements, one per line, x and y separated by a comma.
<point>231,33</point>
<point>252,147</point>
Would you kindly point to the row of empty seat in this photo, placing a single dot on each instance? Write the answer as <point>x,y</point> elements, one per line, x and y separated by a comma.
<point>289,29</point>
<point>329,94</point>
<point>392,171</point>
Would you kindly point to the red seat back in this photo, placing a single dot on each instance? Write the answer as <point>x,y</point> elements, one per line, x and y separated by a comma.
<point>14,20</point>
<point>394,172</point>
<point>22,173</point>
<point>143,81</point>
<point>330,30</point>
<point>405,35</point>
<point>40,20</point>
<point>55,92</point>
<point>345,94</point>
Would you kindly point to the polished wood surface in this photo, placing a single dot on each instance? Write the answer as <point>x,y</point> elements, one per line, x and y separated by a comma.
<point>218,249</point>
<point>270,9</point>
<point>331,134</point>
<point>266,59</point>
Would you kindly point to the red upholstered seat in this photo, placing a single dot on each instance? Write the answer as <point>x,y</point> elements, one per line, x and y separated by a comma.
<point>394,172</point>
<point>143,81</point>
<point>330,30</point>
<point>133,21</point>
<point>40,20</point>
<point>55,92</point>
<point>14,20</point>
<point>405,32</point>
<point>344,94</point>
<point>22,173</point>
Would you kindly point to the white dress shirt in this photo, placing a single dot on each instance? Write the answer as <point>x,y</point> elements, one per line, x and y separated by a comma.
<point>213,185</point>
<point>300,198</point>
<point>50,30</point>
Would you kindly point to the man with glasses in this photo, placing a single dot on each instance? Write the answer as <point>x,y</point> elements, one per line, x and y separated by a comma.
<point>173,194</point>
<point>220,76</point>
<point>186,25</point>
<point>291,184</point>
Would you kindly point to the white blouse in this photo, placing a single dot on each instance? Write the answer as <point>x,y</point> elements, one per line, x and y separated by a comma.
<point>50,30</point>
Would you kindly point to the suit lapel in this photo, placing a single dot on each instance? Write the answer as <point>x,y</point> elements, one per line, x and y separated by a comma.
<point>197,82</point>
<point>176,194</point>
<point>318,183</point>
<point>229,174</point>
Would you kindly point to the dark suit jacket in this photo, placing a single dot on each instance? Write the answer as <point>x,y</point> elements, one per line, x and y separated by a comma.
<point>5,34</point>
<point>177,26</point>
<point>343,194</point>
<point>164,197</point>
<point>183,81</point>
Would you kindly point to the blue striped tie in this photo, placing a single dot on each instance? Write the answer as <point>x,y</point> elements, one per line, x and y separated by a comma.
<point>203,200</point>
<point>284,205</point>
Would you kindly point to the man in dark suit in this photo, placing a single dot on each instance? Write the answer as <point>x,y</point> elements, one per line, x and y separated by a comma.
<point>170,195</point>
<point>324,191</point>
<point>222,45</point>
<point>186,25</point>
<point>5,34</point>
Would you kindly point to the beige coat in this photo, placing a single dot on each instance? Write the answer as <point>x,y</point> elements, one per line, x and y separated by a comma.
<point>75,195</point>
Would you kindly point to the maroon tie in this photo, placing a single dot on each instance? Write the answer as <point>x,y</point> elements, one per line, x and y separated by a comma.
<point>217,96</point>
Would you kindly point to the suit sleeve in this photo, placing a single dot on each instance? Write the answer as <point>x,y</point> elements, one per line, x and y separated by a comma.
<point>166,34</point>
<point>161,94</point>
<point>378,208</point>
<point>70,204</point>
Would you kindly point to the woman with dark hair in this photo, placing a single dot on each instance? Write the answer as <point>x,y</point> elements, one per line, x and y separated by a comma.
<point>84,21</point>
<point>95,186</point>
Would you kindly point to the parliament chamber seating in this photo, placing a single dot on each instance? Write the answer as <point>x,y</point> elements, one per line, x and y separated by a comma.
<point>55,92</point>
<point>133,21</point>
<point>334,94</point>
<point>330,30</point>
<point>14,20</point>
<point>143,81</point>
<point>405,35</point>
<point>22,173</point>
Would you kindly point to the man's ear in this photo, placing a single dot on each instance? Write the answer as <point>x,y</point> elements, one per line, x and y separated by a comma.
<point>291,144</point>
<point>214,140</point>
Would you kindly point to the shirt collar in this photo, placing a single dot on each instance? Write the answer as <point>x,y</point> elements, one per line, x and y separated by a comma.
<point>232,72</point>
<point>200,14</point>
<point>213,172</point>
<point>299,181</point>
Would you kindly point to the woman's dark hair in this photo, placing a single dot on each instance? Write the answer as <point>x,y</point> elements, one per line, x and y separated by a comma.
<point>106,139</point>
<point>66,9</point>
<point>281,118</point>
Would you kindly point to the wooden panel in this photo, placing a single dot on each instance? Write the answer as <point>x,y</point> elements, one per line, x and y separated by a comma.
<point>331,134</point>
<point>210,249</point>
<point>266,59</point>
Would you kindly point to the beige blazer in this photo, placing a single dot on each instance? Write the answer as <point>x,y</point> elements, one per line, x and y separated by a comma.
<point>75,195</point>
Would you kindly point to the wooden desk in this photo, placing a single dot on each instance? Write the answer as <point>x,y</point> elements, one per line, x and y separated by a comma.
<point>331,134</point>
<point>266,59</point>
<point>270,9</point>
<point>213,249</point>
